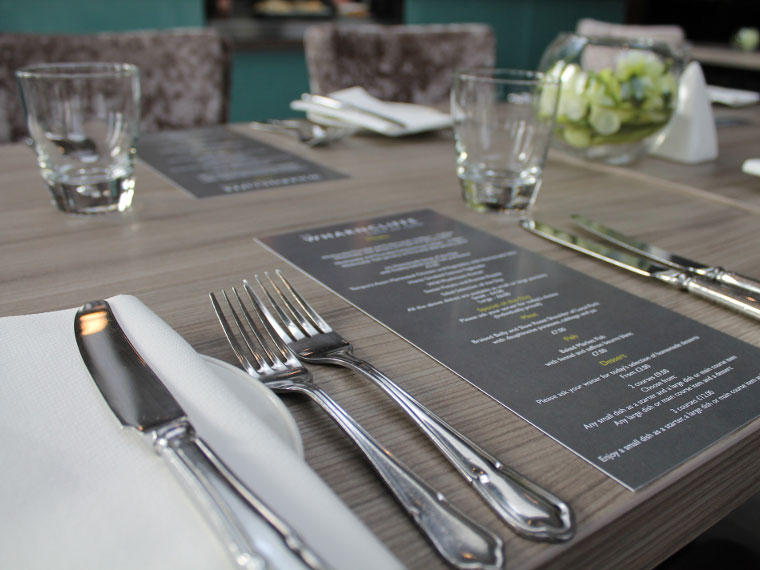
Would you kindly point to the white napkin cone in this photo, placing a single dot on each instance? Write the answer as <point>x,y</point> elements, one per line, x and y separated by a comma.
<point>80,492</point>
<point>691,136</point>
<point>418,118</point>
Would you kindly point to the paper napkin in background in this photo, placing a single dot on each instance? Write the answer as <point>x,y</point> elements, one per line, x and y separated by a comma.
<point>79,491</point>
<point>418,118</point>
<point>691,136</point>
<point>732,97</point>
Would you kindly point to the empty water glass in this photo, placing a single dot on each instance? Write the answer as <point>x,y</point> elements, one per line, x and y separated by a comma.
<point>503,123</point>
<point>83,119</point>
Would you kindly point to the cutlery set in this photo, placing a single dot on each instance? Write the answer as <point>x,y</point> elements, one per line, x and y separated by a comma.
<point>271,343</point>
<point>286,331</point>
<point>726,288</point>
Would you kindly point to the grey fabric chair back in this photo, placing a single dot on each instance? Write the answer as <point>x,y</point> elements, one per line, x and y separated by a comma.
<point>406,63</point>
<point>184,73</point>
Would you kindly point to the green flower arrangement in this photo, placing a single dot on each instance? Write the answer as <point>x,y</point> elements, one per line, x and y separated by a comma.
<point>612,106</point>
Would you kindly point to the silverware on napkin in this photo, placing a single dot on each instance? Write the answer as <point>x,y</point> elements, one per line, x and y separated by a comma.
<point>255,536</point>
<point>749,285</point>
<point>695,284</point>
<point>338,105</point>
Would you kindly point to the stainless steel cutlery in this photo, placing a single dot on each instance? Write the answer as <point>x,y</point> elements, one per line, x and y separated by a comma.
<point>330,103</point>
<point>748,285</point>
<point>462,542</point>
<point>685,280</point>
<point>255,536</point>
<point>530,510</point>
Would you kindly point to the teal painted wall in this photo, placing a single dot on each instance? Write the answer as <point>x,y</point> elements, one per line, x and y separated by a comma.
<point>264,83</point>
<point>523,28</point>
<point>83,16</point>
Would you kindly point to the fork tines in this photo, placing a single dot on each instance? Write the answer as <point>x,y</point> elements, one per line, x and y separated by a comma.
<point>306,320</point>
<point>257,346</point>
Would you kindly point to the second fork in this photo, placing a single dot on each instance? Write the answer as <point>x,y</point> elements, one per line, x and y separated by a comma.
<point>462,542</point>
<point>533,512</point>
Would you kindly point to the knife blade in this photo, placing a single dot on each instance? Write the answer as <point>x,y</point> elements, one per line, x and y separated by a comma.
<point>254,535</point>
<point>695,284</point>
<point>718,274</point>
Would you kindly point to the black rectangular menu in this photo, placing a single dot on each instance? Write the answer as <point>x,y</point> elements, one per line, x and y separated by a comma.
<point>633,388</point>
<point>215,161</point>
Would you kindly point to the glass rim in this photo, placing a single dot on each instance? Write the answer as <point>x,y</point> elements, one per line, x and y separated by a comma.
<point>77,70</point>
<point>505,75</point>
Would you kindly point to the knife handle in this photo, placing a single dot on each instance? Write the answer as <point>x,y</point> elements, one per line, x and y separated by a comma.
<point>748,284</point>
<point>708,289</point>
<point>254,535</point>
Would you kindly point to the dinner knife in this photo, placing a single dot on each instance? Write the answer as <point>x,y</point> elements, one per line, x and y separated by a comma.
<point>254,535</point>
<point>718,274</point>
<point>338,105</point>
<point>695,284</point>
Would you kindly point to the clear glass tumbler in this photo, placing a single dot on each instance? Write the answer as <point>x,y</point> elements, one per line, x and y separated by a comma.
<point>83,119</point>
<point>503,123</point>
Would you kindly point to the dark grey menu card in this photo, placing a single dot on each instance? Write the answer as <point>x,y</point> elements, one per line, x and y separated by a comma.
<point>633,388</point>
<point>214,161</point>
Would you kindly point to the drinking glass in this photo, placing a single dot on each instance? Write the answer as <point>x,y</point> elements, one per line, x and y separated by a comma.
<point>83,119</point>
<point>503,122</point>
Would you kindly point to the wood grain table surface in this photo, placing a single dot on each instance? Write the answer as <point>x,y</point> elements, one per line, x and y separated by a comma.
<point>170,250</point>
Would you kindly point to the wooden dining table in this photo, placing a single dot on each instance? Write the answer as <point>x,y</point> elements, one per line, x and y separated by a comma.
<point>171,250</point>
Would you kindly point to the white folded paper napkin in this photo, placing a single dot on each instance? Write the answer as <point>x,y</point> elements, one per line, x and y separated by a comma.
<point>691,135</point>
<point>417,118</point>
<point>78,491</point>
<point>751,166</point>
<point>732,97</point>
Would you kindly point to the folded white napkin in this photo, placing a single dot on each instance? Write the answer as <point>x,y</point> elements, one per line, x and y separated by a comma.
<point>79,491</point>
<point>732,97</point>
<point>418,118</point>
<point>691,136</point>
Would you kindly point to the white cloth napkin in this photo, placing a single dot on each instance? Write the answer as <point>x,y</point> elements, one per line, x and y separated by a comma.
<point>691,136</point>
<point>418,118</point>
<point>78,491</point>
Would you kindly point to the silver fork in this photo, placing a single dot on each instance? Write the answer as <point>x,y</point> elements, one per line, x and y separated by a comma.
<point>460,541</point>
<point>530,510</point>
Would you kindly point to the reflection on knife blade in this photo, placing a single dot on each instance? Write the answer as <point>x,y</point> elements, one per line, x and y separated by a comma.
<point>747,284</point>
<point>694,284</point>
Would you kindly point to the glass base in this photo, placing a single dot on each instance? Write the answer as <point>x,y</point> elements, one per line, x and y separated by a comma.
<point>489,197</point>
<point>93,197</point>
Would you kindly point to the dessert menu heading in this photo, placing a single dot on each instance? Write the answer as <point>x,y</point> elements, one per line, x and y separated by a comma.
<point>633,388</point>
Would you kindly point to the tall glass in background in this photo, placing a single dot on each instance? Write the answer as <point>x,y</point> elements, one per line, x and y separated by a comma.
<point>83,119</point>
<point>503,123</point>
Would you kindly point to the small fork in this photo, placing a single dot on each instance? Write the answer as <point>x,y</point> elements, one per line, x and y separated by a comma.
<point>530,510</point>
<point>462,542</point>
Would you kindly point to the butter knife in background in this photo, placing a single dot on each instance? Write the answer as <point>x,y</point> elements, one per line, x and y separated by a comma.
<point>695,284</point>
<point>747,284</point>
<point>338,105</point>
<point>253,534</point>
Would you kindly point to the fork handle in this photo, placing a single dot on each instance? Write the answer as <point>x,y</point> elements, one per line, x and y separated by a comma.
<point>530,510</point>
<point>459,540</point>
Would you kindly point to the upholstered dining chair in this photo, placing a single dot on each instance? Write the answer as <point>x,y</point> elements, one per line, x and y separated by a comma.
<point>184,73</point>
<point>405,63</point>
